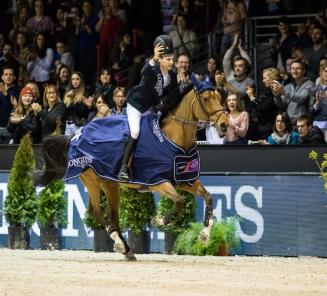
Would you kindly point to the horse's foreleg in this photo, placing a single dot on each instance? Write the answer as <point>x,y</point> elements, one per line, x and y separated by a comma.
<point>167,189</point>
<point>112,192</point>
<point>198,189</point>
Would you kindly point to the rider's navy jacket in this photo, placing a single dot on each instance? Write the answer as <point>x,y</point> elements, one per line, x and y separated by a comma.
<point>150,90</point>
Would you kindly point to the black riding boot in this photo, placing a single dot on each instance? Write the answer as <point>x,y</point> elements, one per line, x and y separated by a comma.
<point>125,172</point>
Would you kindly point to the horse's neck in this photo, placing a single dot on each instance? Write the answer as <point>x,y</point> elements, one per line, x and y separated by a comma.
<point>182,134</point>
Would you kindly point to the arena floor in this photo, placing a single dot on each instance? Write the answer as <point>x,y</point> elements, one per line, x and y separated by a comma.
<point>79,273</point>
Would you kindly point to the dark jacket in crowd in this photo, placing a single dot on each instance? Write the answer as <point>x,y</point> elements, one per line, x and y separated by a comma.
<point>106,91</point>
<point>30,124</point>
<point>5,105</point>
<point>266,111</point>
<point>77,113</point>
<point>49,118</point>
<point>315,136</point>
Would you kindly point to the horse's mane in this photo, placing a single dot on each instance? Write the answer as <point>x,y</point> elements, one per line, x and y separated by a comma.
<point>175,98</point>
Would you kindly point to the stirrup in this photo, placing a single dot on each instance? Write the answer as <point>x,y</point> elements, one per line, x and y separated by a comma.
<point>124,173</point>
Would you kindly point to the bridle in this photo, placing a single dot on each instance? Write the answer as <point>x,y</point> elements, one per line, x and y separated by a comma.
<point>199,123</point>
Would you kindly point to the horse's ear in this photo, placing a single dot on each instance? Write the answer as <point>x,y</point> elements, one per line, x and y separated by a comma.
<point>201,86</point>
<point>196,82</point>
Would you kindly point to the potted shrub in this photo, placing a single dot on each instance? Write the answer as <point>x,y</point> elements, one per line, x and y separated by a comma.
<point>221,240</point>
<point>185,217</point>
<point>101,240</point>
<point>52,214</point>
<point>20,206</point>
<point>136,211</point>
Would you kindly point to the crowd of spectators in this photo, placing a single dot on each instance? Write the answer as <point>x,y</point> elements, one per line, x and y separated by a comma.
<point>49,57</point>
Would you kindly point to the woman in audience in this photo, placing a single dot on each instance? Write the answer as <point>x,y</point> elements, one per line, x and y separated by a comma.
<point>40,61</point>
<point>21,54</point>
<point>105,86</point>
<point>109,27</point>
<point>238,121</point>
<point>39,23</point>
<point>53,113</point>
<point>23,120</point>
<point>283,133</point>
<point>77,105</point>
<point>37,97</point>
<point>62,80</point>
<point>184,39</point>
<point>264,104</point>
<point>319,102</point>
<point>122,53</point>
<point>19,21</point>
<point>283,43</point>
<point>102,108</point>
<point>119,97</point>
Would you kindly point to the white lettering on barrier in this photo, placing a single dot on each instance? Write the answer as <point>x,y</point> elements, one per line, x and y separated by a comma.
<point>249,213</point>
<point>240,209</point>
<point>74,196</point>
<point>245,212</point>
<point>3,193</point>
<point>226,191</point>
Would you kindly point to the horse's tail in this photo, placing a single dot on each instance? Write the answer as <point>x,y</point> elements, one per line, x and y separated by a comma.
<point>54,149</point>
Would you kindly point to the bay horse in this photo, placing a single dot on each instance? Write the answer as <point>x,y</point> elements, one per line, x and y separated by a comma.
<point>179,126</point>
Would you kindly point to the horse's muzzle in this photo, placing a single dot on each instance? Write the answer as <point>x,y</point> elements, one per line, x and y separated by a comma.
<point>221,129</point>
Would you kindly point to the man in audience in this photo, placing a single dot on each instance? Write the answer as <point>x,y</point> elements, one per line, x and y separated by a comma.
<point>314,53</point>
<point>295,96</point>
<point>309,134</point>
<point>65,57</point>
<point>7,58</point>
<point>9,94</point>
<point>183,71</point>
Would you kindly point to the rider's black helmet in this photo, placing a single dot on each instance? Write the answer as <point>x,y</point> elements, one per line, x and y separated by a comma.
<point>166,42</point>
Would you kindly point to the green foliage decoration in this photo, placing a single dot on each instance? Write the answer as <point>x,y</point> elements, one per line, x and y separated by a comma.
<point>184,218</point>
<point>20,207</point>
<point>52,205</point>
<point>322,166</point>
<point>222,234</point>
<point>136,209</point>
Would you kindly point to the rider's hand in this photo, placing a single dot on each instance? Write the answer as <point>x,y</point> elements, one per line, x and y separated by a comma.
<point>158,51</point>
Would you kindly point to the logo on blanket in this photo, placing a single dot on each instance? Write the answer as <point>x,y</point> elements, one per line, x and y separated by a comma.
<point>80,161</point>
<point>191,166</point>
<point>156,130</point>
<point>187,167</point>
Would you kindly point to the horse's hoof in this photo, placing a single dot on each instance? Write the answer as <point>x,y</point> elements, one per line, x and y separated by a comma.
<point>203,237</point>
<point>130,256</point>
<point>157,221</point>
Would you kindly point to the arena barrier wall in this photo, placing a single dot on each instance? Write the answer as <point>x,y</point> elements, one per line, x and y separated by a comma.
<point>284,215</point>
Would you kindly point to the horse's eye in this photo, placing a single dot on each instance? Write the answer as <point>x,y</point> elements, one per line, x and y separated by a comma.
<point>206,99</point>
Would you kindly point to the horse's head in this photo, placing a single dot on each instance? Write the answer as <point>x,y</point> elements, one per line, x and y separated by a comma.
<point>208,106</point>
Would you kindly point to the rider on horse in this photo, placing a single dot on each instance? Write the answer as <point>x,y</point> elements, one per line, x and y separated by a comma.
<point>158,89</point>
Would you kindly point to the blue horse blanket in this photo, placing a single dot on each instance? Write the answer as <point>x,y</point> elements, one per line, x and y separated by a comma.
<point>100,145</point>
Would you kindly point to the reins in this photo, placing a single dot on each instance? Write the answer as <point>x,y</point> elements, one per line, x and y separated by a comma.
<point>199,124</point>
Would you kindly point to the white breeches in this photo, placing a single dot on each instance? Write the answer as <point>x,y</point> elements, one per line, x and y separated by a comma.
<point>134,120</point>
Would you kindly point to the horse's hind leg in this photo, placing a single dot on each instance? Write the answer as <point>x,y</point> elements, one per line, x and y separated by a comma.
<point>112,192</point>
<point>94,191</point>
<point>198,189</point>
<point>167,189</point>
<point>93,184</point>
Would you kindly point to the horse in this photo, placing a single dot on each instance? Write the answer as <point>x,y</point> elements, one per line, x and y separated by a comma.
<point>179,126</point>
